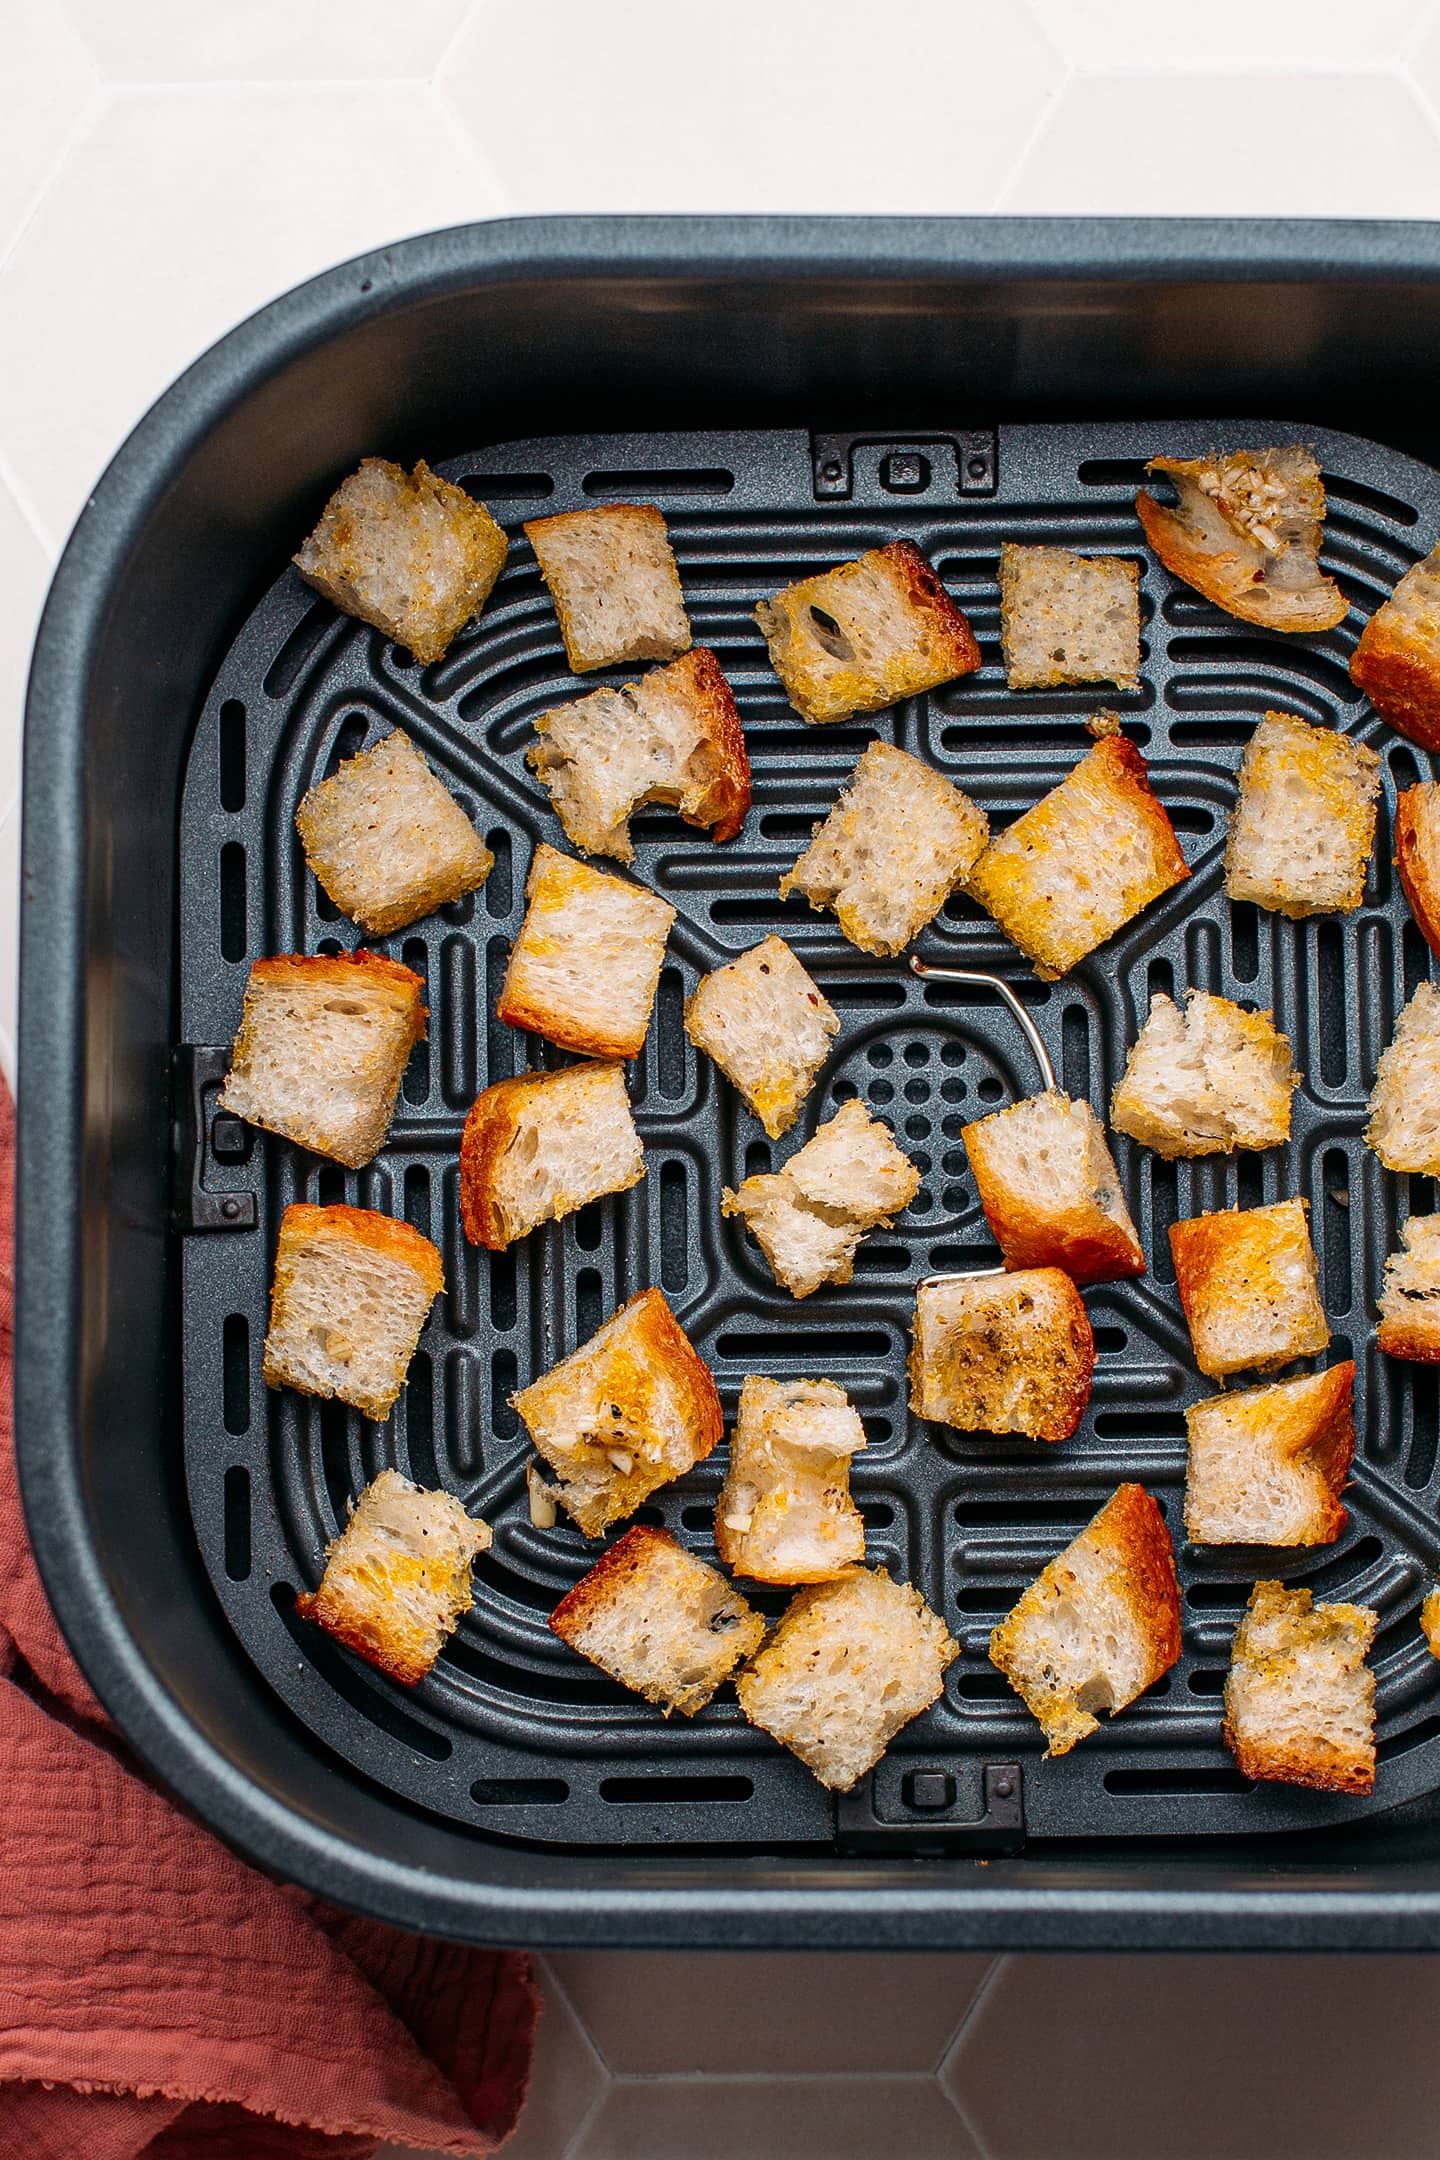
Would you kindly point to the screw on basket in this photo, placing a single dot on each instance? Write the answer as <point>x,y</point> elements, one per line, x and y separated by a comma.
<point>1032,1036</point>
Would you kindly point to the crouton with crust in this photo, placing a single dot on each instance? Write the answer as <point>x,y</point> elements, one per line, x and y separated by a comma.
<point>1397,661</point>
<point>1099,1624</point>
<point>1417,855</point>
<point>409,552</point>
<point>1245,531</point>
<point>1303,827</point>
<point>386,839</point>
<point>350,1295</point>
<point>849,1665</point>
<point>322,1048</point>
<point>1067,618</point>
<point>674,738</point>
<point>539,1146</point>
<point>1003,1354</point>
<point>628,1412</point>
<point>1205,1081</point>
<point>1050,1190</point>
<point>768,1028</point>
<point>397,1578</point>
<point>1404,1127</point>
<point>1075,868</point>
<point>1410,1294</point>
<point>1299,1697</point>
<point>893,849</point>
<point>866,634</point>
<point>1430,1621</point>
<point>785,1514</point>
<point>1268,1464</point>
<point>658,1620</point>
<point>1250,1288</point>
<point>612,576</point>
<point>809,1217</point>
<point>584,969</point>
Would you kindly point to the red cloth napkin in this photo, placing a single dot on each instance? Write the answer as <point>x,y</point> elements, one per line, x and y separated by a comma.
<point>157,1996</point>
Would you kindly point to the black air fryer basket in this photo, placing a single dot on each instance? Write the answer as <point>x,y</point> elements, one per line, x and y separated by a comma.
<point>788,393</point>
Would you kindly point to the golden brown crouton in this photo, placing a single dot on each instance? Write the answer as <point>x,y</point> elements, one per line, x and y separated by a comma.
<point>1267,1464</point>
<point>543,1144</point>
<point>350,1295</point>
<point>584,968</point>
<point>1300,1699</point>
<point>767,1027</point>
<point>866,634</point>
<point>1404,1127</point>
<point>612,577</point>
<point>1245,531</point>
<point>1303,827</point>
<point>1207,1081</point>
<point>1050,1189</point>
<point>1003,1353</point>
<point>1248,1282</point>
<point>1430,1622</point>
<point>1068,618</point>
<point>785,1514</point>
<point>387,840</point>
<point>1410,1296</point>
<point>397,1578</point>
<point>659,1621</point>
<point>1397,661</point>
<point>1417,855</point>
<point>808,1218</point>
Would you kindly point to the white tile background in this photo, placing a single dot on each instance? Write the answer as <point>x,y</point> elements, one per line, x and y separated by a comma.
<point>166,166</point>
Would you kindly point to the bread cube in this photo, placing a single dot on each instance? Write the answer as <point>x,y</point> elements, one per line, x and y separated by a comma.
<point>659,1621</point>
<point>1430,1622</point>
<point>387,840</point>
<point>409,552</point>
<point>893,849</point>
<point>539,1146</point>
<point>808,1219</point>
<point>629,1411</point>
<point>397,1578</point>
<point>866,634</point>
<point>322,1047</point>
<point>584,968</point>
<point>1417,854</point>
<point>785,1514</point>
<point>674,737</point>
<point>1299,1697</point>
<point>1075,868</point>
<point>612,577</point>
<point>1099,1624</point>
<point>1002,1353</point>
<point>1404,1127</point>
<point>1068,618</point>
<point>767,1027</point>
<point>1303,826</point>
<point>1050,1189</point>
<point>847,1668</point>
<point>1250,1288</point>
<point>350,1295</point>
<point>1410,1295</point>
<point>1267,1464</point>
<point>1397,661</point>
<point>1206,1081</point>
<point>1245,531</point>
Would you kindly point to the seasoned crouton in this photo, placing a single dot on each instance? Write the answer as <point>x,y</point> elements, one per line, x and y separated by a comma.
<point>785,1514</point>
<point>1206,1081</point>
<point>767,1027</point>
<point>1003,1354</point>
<point>1250,1288</point>
<point>1050,1189</point>
<point>409,552</point>
<point>1404,1127</point>
<point>659,1621</point>
<point>627,1412</point>
<point>1410,1295</point>
<point>1303,827</point>
<point>543,1144</point>
<point>1299,1697</point>
<point>584,968</point>
<point>809,1218</point>
<point>1068,618</point>
<point>1267,1465</point>
<point>1245,531</point>
<point>1430,1621</point>
<point>897,843</point>
<point>387,840</point>
<point>1090,855</point>
<point>866,634</point>
<point>351,1292</point>
<point>397,1578</point>
<point>1417,855</point>
<point>674,737</point>
<point>321,1050</point>
<point>1397,661</point>
<point>849,1665</point>
<point>1097,1626</point>
<point>612,577</point>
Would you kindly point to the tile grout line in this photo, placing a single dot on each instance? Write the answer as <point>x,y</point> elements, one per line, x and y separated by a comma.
<point>554,1986</point>
<point>554,1981</point>
<point>1069,73</point>
<point>679,2078</point>
<point>978,1999</point>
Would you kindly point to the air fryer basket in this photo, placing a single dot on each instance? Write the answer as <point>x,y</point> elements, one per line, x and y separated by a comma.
<point>961,385</point>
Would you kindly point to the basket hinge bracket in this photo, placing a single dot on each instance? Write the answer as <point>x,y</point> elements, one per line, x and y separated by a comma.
<point>929,467</point>
<point>201,1136</point>
<point>920,1811</point>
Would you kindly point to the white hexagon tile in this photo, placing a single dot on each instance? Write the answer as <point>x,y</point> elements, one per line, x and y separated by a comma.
<point>165,167</point>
